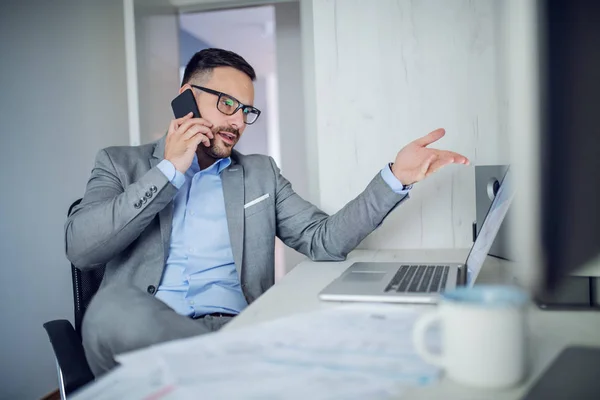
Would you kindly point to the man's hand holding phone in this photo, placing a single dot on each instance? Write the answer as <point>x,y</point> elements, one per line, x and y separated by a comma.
<point>183,138</point>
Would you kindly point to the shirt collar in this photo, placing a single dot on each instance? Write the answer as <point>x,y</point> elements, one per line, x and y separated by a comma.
<point>214,169</point>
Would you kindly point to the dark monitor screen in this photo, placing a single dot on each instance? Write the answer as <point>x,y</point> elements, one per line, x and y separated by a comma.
<point>570,135</point>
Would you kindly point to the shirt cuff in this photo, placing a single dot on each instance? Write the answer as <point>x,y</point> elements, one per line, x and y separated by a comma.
<point>176,178</point>
<point>393,182</point>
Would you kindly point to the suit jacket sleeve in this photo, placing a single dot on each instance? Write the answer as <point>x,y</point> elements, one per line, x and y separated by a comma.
<point>319,236</point>
<point>107,220</point>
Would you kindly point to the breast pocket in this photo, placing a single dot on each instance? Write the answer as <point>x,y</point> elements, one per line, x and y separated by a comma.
<point>257,205</point>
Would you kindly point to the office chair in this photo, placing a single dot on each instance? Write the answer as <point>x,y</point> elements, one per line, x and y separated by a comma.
<point>73,369</point>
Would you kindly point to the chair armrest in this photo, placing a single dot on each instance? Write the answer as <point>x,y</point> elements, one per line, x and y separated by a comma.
<point>69,353</point>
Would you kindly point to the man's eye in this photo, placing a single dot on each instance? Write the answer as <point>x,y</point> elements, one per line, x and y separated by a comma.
<point>228,102</point>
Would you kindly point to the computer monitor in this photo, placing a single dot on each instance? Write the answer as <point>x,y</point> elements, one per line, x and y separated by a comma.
<point>490,226</point>
<point>552,67</point>
<point>569,135</point>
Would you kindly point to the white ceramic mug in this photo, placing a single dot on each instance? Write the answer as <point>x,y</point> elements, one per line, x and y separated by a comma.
<point>482,333</point>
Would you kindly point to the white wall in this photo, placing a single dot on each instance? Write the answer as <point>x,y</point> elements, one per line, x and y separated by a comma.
<point>253,24</point>
<point>63,98</point>
<point>157,52</point>
<point>292,130</point>
<point>387,74</point>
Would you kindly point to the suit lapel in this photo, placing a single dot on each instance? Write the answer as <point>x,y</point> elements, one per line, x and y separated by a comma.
<point>165,217</point>
<point>233,192</point>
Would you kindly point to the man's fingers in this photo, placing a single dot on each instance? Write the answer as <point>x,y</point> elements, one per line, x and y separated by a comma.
<point>438,164</point>
<point>195,129</point>
<point>430,138</point>
<point>172,127</point>
<point>184,126</point>
<point>425,166</point>
<point>200,138</point>
<point>443,158</point>
<point>457,158</point>
<point>184,118</point>
<point>176,123</point>
<point>193,121</point>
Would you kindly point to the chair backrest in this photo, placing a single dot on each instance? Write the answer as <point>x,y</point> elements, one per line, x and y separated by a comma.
<point>85,285</point>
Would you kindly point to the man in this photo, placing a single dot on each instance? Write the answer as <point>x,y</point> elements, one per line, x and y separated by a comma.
<point>186,226</point>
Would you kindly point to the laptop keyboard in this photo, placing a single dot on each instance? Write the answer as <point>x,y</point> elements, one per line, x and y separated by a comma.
<point>419,279</point>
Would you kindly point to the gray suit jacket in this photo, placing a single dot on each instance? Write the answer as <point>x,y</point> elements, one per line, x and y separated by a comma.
<point>124,219</point>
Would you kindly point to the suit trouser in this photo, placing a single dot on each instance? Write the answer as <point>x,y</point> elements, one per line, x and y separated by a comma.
<point>122,318</point>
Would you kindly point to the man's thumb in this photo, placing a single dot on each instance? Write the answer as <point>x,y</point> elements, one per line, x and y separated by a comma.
<point>431,137</point>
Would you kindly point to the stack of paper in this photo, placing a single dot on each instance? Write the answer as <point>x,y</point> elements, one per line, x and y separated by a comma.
<point>341,353</point>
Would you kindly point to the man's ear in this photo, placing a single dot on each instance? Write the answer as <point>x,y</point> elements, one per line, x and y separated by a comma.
<point>185,87</point>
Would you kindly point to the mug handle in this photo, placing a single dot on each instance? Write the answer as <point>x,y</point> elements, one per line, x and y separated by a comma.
<point>421,327</point>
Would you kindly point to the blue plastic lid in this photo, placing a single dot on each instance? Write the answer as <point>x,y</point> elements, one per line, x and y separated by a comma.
<point>487,295</point>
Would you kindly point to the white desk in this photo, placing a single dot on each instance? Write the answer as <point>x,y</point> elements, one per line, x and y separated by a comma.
<point>551,331</point>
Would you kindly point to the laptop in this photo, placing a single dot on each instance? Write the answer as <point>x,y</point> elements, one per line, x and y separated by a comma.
<point>419,282</point>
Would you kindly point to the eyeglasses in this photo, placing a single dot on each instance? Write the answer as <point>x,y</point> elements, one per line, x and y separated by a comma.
<point>229,105</point>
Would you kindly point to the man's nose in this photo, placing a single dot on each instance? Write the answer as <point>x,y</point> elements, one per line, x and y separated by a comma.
<point>236,120</point>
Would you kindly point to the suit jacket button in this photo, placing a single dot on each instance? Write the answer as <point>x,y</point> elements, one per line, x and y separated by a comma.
<point>149,194</point>
<point>153,189</point>
<point>138,204</point>
<point>144,200</point>
<point>151,289</point>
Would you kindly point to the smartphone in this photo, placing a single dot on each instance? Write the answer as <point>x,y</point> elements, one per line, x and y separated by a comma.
<point>184,104</point>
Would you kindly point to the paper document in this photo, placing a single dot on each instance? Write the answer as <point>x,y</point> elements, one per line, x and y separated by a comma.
<point>349,352</point>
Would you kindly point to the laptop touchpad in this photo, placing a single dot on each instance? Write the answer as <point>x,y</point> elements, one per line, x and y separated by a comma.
<point>371,276</point>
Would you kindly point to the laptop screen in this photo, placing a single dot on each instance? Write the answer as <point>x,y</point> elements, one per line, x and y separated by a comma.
<point>489,229</point>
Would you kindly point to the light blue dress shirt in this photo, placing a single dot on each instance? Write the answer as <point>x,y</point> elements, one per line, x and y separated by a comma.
<point>393,182</point>
<point>200,276</point>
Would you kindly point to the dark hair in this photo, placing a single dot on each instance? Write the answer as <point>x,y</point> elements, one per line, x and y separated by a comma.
<point>205,60</point>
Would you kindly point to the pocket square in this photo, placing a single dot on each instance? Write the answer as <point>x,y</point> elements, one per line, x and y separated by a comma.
<point>256,201</point>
